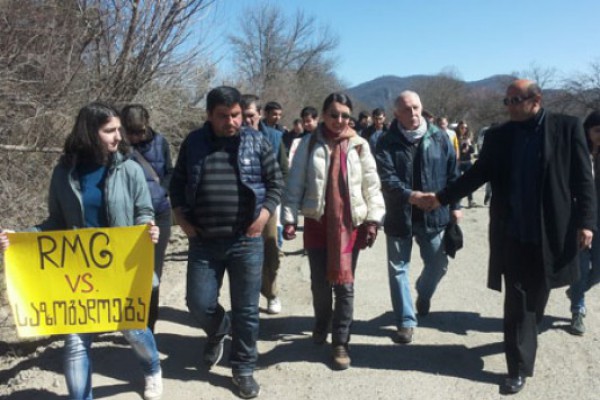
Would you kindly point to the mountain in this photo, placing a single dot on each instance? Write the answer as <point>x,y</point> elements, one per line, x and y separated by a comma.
<point>382,91</point>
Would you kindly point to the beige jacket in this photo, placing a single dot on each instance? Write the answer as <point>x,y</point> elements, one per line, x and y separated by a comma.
<point>307,181</point>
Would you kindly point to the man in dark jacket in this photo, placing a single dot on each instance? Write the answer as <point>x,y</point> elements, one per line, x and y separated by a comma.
<point>377,129</point>
<point>251,112</point>
<point>225,187</point>
<point>414,156</point>
<point>543,209</point>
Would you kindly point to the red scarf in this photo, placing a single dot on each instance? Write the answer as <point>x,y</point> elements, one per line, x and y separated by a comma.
<point>338,217</point>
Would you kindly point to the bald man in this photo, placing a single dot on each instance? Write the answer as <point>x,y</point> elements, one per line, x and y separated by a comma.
<point>542,211</point>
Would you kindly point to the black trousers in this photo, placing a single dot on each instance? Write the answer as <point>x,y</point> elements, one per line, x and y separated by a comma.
<point>342,314</point>
<point>526,296</point>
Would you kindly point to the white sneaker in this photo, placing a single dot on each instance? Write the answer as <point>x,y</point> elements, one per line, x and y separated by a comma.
<point>154,386</point>
<point>274,306</point>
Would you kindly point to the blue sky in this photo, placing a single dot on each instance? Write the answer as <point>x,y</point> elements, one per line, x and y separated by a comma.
<point>476,38</point>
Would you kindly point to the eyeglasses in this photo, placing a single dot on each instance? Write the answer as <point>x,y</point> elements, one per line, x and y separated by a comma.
<point>335,115</point>
<point>516,100</point>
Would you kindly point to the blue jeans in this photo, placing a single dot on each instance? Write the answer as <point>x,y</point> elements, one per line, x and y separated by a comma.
<point>242,257</point>
<point>435,266</point>
<point>589,265</point>
<point>78,365</point>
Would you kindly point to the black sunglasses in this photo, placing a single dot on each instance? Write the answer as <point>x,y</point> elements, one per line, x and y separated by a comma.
<point>516,99</point>
<point>335,115</point>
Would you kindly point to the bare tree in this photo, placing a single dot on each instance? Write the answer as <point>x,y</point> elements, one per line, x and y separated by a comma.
<point>288,59</point>
<point>583,90</point>
<point>545,77</point>
<point>56,55</point>
<point>446,95</point>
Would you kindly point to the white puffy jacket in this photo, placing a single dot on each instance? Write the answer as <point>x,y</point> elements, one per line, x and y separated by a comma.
<point>307,181</point>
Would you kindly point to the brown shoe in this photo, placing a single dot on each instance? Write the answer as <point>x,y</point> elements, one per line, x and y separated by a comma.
<point>341,359</point>
<point>404,335</point>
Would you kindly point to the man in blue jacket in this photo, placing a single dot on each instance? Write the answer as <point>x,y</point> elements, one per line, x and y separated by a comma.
<point>225,187</point>
<point>413,157</point>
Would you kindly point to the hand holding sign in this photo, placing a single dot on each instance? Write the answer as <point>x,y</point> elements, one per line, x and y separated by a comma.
<point>4,242</point>
<point>154,232</point>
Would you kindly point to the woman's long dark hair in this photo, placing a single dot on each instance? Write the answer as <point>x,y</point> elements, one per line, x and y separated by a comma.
<point>83,143</point>
<point>337,98</point>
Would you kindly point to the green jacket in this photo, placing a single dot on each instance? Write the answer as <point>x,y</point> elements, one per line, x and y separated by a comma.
<point>126,194</point>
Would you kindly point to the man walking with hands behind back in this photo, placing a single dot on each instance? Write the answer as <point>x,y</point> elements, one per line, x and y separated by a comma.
<point>543,209</point>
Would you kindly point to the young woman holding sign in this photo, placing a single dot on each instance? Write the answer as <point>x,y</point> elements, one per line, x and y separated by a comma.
<point>93,186</point>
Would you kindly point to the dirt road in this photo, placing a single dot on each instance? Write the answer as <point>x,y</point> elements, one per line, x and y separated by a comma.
<point>457,352</point>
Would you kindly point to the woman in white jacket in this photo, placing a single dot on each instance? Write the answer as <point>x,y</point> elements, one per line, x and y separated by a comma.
<point>333,181</point>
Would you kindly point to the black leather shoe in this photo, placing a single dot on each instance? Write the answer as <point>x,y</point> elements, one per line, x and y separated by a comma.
<point>248,387</point>
<point>512,385</point>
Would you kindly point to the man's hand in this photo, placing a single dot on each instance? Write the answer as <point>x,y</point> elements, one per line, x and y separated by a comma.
<point>256,228</point>
<point>425,201</point>
<point>456,216</point>
<point>585,237</point>
<point>184,224</point>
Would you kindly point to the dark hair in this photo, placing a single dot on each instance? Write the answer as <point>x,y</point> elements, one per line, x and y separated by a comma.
<point>467,132</point>
<point>362,115</point>
<point>378,112</point>
<point>427,114</point>
<point>248,99</point>
<point>309,111</point>
<point>438,120</point>
<point>83,143</point>
<point>297,121</point>
<point>272,105</point>
<point>592,120</point>
<point>337,98</point>
<point>222,96</point>
<point>134,117</point>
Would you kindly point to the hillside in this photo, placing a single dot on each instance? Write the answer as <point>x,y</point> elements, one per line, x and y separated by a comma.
<point>381,92</point>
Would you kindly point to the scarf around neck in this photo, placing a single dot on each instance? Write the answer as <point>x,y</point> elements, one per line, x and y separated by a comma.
<point>338,217</point>
<point>414,136</point>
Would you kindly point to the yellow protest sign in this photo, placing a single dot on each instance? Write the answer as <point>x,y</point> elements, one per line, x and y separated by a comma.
<point>76,281</point>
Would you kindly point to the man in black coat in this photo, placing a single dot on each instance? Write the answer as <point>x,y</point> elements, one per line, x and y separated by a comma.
<point>541,214</point>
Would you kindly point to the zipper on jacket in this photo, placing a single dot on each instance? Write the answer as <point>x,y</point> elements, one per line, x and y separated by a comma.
<point>109,173</point>
<point>76,187</point>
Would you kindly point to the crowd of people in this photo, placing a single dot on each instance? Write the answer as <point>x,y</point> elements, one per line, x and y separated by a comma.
<point>241,181</point>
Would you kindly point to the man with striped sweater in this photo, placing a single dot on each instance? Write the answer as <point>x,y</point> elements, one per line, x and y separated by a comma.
<point>225,187</point>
